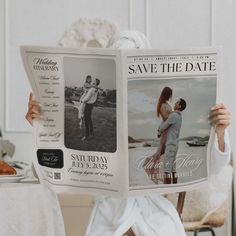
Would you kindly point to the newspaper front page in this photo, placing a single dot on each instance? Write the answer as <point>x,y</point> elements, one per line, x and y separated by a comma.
<point>169,97</point>
<point>121,122</point>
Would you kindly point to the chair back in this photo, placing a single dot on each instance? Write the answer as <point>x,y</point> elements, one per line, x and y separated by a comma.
<point>180,204</point>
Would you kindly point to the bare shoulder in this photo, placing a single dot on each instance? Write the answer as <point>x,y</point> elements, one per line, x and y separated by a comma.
<point>165,107</point>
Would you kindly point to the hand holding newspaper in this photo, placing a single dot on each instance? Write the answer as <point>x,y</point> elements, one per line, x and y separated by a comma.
<point>123,122</point>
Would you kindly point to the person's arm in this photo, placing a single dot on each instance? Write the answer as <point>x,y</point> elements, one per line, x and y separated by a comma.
<point>87,85</point>
<point>88,95</point>
<point>220,119</point>
<point>33,110</point>
<point>220,153</point>
<point>166,124</point>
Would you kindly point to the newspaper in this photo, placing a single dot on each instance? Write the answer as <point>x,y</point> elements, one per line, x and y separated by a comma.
<point>123,122</point>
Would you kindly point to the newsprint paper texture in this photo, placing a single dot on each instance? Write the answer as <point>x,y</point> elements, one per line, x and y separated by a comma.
<point>123,122</point>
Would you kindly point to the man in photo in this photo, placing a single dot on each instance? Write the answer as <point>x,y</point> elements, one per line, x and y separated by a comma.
<point>89,99</point>
<point>80,106</point>
<point>173,124</point>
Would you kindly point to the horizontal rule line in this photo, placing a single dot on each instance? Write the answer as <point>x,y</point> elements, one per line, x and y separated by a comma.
<point>180,185</point>
<point>68,185</point>
<point>68,53</point>
<point>175,55</point>
<point>174,76</point>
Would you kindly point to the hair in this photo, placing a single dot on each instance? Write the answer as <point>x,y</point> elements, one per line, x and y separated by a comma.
<point>97,81</point>
<point>182,103</point>
<point>88,77</point>
<point>164,97</point>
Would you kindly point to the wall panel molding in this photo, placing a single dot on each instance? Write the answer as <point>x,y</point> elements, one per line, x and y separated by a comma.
<point>130,9</point>
<point>146,18</point>
<point>137,15</point>
<point>2,64</point>
<point>15,93</point>
<point>212,20</point>
<point>7,125</point>
<point>179,24</point>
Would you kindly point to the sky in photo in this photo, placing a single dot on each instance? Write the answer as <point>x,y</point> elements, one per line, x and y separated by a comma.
<point>76,70</point>
<point>199,93</point>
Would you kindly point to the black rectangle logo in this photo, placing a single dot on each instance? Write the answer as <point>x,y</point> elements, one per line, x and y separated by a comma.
<point>52,158</point>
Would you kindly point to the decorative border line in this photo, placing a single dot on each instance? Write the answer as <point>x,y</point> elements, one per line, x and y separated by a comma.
<point>81,187</point>
<point>196,182</point>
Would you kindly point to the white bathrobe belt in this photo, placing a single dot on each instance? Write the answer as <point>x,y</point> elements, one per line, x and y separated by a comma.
<point>125,225</point>
<point>136,216</point>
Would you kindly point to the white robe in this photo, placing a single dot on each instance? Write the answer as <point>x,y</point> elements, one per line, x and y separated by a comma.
<point>151,215</point>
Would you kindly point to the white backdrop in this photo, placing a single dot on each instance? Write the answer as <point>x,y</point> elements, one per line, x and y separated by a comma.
<point>167,23</point>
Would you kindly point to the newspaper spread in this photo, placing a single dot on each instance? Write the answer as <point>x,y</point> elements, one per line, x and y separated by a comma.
<point>123,122</point>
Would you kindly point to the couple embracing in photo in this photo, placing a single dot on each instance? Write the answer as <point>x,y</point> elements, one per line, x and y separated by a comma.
<point>161,166</point>
<point>87,100</point>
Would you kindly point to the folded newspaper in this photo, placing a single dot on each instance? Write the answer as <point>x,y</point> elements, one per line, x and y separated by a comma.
<point>123,122</point>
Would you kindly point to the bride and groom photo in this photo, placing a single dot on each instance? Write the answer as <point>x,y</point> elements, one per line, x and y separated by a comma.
<point>90,104</point>
<point>165,116</point>
<point>168,133</point>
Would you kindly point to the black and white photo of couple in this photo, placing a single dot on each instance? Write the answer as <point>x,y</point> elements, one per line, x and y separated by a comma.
<point>168,129</point>
<point>85,105</point>
<point>90,104</point>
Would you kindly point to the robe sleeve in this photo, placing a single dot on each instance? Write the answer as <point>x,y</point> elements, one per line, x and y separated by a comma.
<point>219,159</point>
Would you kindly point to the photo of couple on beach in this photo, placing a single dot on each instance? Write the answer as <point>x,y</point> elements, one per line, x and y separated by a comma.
<point>169,129</point>
<point>90,104</point>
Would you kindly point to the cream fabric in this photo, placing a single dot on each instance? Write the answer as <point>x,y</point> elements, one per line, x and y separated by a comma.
<point>150,216</point>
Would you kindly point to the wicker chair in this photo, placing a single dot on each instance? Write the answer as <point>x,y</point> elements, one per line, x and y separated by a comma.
<point>213,219</point>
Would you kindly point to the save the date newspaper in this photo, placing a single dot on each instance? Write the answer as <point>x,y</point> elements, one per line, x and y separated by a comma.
<point>123,122</point>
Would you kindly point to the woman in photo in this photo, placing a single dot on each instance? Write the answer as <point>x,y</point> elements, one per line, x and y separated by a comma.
<point>87,85</point>
<point>153,164</point>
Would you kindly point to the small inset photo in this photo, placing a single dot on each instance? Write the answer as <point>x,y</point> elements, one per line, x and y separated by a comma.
<point>90,104</point>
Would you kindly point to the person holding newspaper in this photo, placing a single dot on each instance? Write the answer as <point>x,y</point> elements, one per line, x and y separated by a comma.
<point>150,215</point>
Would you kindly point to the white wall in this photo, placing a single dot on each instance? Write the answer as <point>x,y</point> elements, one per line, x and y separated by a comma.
<point>167,23</point>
